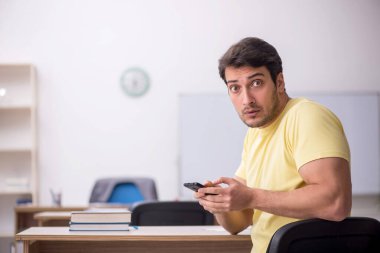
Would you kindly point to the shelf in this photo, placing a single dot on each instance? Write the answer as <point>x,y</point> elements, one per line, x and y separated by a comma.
<point>16,85</point>
<point>4,192</point>
<point>16,150</point>
<point>5,150</point>
<point>16,130</point>
<point>15,107</point>
<point>15,65</point>
<point>18,142</point>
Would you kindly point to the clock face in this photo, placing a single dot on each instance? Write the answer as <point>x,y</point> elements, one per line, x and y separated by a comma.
<point>134,82</point>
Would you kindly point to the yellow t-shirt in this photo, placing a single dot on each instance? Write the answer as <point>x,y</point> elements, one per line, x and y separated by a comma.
<point>272,156</point>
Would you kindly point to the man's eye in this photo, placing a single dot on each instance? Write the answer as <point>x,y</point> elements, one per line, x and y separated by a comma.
<point>234,88</point>
<point>256,83</point>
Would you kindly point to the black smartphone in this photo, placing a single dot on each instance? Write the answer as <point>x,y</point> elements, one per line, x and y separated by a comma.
<point>195,186</point>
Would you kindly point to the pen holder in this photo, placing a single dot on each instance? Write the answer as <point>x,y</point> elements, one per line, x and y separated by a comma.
<point>56,198</point>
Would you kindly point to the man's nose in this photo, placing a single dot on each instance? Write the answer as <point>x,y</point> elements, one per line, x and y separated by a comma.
<point>248,98</point>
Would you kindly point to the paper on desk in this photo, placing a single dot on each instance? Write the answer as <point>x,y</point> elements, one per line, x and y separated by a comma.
<point>246,231</point>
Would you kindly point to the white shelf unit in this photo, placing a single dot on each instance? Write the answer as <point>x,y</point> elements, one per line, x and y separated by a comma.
<point>18,141</point>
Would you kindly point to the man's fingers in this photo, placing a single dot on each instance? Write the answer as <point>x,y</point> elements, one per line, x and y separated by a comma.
<point>224,180</point>
<point>208,183</point>
<point>212,207</point>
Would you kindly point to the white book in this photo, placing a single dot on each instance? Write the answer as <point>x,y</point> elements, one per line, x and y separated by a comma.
<point>101,215</point>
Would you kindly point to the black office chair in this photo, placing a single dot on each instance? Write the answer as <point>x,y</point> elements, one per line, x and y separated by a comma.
<point>352,235</point>
<point>123,190</point>
<point>170,213</point>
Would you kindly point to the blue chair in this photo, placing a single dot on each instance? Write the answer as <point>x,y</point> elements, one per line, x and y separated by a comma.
<point>126,190</point>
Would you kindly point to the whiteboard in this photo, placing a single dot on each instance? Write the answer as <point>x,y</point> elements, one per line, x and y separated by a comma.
<point>212,134</point>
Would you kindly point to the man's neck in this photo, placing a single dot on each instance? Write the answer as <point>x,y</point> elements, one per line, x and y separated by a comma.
<point>284,101</point>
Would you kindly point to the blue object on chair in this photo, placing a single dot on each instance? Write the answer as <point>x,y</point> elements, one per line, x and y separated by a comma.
<point>125,193</point>
<point>123,190</point>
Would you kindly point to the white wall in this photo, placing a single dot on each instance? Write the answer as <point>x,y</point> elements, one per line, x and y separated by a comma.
<point>88,128</point>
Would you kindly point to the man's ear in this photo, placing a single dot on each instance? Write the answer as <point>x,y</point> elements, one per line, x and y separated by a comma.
<point>280,83</point>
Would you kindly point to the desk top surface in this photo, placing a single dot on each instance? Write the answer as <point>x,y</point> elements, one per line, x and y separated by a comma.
<point>46,216</point>
<point>34,208</point>
<point>159,233</point>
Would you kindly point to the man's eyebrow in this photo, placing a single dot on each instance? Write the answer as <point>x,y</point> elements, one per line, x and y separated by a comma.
<point>254,75</point>
<point>249,77</point>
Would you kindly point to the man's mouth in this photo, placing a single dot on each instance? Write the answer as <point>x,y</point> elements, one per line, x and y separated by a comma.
<point>251,112</point>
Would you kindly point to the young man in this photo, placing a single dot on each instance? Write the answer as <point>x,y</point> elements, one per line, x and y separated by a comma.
<point>296,159</point>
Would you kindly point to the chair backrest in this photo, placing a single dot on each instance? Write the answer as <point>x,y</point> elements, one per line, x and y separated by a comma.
<point>124,190</point>
<point>352,235</point>
<point>170,213</point>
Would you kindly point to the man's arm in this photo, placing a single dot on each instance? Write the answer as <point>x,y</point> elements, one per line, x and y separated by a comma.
<point>327,194</point>
<point>235,221</point>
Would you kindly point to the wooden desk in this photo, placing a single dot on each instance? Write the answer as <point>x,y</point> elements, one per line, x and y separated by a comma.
<point>24,214</point>
<point>52,218</point>
<point>163,239</point>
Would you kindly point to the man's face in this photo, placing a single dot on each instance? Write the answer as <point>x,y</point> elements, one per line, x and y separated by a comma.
<point>254,95</point>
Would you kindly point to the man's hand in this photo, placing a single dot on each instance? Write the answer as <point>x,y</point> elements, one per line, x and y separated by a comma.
<point>235,197</point>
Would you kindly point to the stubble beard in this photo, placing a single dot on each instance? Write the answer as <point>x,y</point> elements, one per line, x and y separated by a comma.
<point>269,117</point>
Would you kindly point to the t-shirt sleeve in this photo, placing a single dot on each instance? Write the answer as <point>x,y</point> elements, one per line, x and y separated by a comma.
<point>317,133</point>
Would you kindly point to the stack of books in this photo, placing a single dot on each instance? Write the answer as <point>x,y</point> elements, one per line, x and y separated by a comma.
<point>101,219</point>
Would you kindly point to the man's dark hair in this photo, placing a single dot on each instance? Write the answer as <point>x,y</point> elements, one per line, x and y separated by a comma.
<point>253,52</point>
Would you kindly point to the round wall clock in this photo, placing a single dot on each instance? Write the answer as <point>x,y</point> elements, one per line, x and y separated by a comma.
<point>134,82</point>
